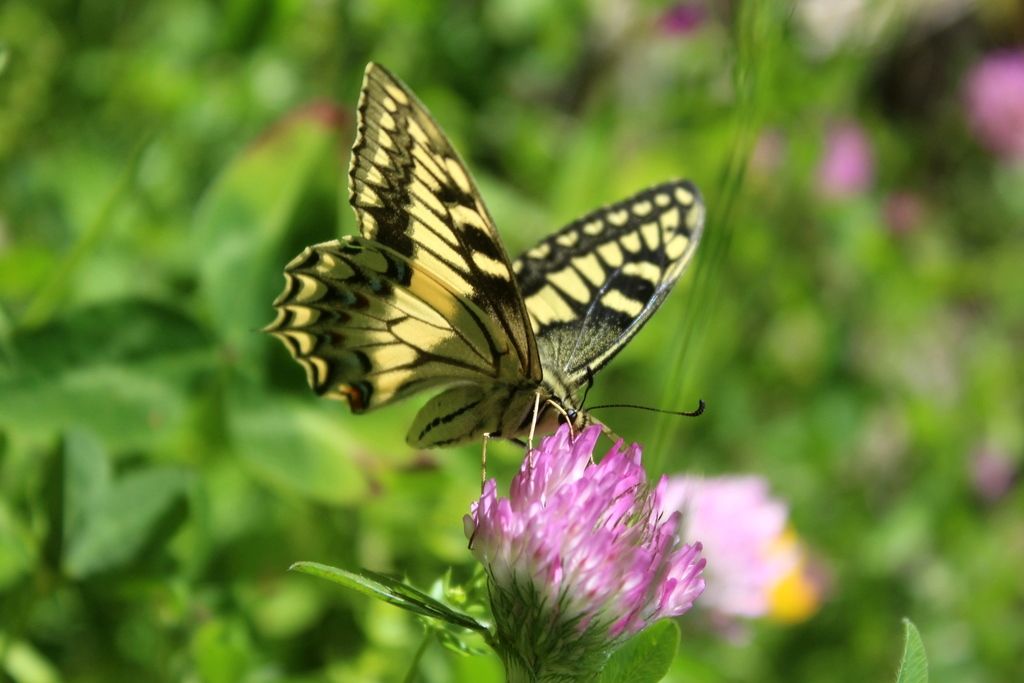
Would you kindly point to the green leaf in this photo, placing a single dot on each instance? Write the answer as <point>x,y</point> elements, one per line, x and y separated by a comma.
<point>457,643</point>
<point>24,664</point>
<point>242,221</point>
<point>284,608</point>
<point>110,522</point>
<point>120,369</point>
<point>112,333</point>
<point>125,406</point>
<point>391,591</point>
<point>464,597</point>
<point>299,447</point>
<point>18,549</point>
<point>87,480</point>
<point>223,651</point>
<point>646,657</point>
<point>914,664</point>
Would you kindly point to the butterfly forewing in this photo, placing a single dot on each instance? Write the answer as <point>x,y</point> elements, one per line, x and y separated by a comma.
<point>591,286</point>
<point>411,192</point>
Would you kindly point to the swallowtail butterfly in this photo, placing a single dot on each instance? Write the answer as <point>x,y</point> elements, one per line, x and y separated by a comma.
<point>426,296</point>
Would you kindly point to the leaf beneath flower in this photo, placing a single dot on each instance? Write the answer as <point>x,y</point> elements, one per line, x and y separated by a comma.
<point>391,591</point>
<point>646,657</point>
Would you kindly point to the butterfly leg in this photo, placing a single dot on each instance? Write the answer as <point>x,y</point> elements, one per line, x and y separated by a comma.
<point>532,424</point>
<point>568,420</point>
<point>483,477</point>
<point>483,464</point>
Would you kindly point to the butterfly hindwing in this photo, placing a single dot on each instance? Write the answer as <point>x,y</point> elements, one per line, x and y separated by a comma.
<point>591,286</point>
<point>371,326</point>
<point>412,193</point>
<point>469,409</point>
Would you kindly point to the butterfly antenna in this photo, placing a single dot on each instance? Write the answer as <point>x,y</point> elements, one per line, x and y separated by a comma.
<point>683,413</point>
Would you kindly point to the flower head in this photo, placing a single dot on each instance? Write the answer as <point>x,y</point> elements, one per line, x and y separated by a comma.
<point>580,555</point>
<point>993,472</point>
<point>903,211</point>
<point>995,103</point>
<point>756,565</point>
<point>848,165</point>
<point>683,18</point>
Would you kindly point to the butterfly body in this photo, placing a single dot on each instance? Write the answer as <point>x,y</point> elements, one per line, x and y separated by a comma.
<point>427,298</point>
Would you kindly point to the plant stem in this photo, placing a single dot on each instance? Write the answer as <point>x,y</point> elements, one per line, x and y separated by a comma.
<point>414,665</point>
<point>49,296</point>
<point>756,33</point>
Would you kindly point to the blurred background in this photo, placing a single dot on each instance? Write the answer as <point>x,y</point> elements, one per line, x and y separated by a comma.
<point>854,319</point>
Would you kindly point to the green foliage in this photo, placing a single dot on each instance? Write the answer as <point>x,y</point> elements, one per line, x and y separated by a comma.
<point>914,664</point>
<point>162,462</point>
<point>68,363</point>
<point>106,522</point>
<point>646,657</point>
<point>241,221</point>
<point>391,591</point>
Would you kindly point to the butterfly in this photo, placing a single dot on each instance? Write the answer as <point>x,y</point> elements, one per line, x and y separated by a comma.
<point>426,296</point>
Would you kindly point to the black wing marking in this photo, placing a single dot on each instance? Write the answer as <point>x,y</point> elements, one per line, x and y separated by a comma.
<point>591,286</point>
<point>411,192</point>
<point>371,326</point>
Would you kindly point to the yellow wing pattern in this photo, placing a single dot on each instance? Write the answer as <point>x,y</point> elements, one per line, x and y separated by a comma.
<point>591,286</point>
<point>412,193</point>
<point>372,326</point>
